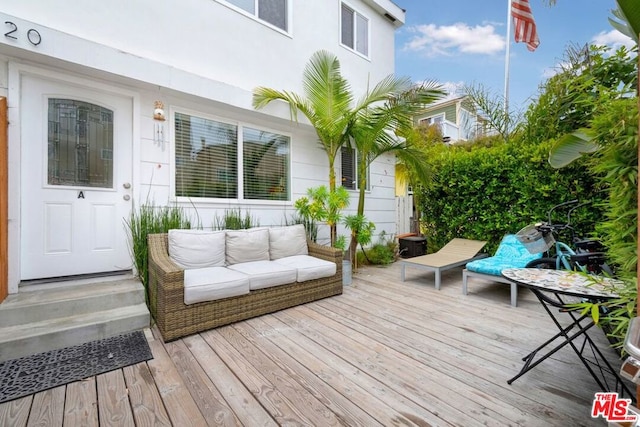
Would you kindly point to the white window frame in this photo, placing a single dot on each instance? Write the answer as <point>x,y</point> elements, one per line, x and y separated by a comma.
<point>240,173</point>
<point>356,14</point>
<point>255,15</point>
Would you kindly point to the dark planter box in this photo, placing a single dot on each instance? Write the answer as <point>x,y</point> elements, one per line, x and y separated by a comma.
<point>412,246</point>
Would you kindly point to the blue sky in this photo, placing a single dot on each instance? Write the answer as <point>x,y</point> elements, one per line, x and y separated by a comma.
<point>457,42</point>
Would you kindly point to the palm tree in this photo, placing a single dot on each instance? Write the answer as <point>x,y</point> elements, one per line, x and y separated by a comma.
<point>328,104</point>
<point>376,129</point>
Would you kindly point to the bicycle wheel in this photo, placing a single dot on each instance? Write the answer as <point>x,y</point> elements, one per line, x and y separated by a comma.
<point>546,263</point>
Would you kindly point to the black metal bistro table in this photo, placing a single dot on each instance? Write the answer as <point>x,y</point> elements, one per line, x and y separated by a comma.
<point>555,289</point>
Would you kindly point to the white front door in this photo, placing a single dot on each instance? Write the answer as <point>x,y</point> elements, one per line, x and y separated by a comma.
<point>76,147</point>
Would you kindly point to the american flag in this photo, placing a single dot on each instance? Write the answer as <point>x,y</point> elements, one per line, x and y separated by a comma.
<point>524,25</point>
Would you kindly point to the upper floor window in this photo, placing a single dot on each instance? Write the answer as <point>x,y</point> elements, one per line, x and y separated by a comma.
<point>227,161</point>
<point>354,30</point>
<point>433,120</point>
<point>350,161</point>
<point>272,11</point>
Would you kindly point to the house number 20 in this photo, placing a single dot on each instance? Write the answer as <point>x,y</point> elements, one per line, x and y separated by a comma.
<point>32,34</point>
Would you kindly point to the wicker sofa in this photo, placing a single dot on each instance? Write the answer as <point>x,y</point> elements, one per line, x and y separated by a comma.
<point>176,319</point>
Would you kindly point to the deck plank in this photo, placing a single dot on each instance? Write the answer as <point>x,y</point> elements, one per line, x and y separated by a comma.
<point>146,403</point>
<point>15,412</point>
<point>81,403</point>
<point>47,408</point>
<point>113,404</point>
<point>380,401</point>
<point>209,400</point>
<point>384,352</point>
<point>276,392</point>
<point>304,375</point>
<point>388,366</point>
<point>181,407</point>
<point>246,407</point>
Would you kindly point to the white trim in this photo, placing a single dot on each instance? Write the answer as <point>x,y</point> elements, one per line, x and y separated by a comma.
<point>15,73</point>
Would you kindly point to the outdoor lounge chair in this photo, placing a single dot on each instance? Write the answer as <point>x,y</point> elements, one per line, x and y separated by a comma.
<point>454,254</point>
<point>510,254</point>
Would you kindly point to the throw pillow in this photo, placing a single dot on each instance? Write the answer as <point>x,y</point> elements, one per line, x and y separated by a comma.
<point>287,241</point>
<point>247,245</point>
<point>197,248</point>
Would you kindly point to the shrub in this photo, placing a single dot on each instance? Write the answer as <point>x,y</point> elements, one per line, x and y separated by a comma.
<point>383,252</point>
<point>234,220</point>
<point>488,192</point>
<point>145,220</point>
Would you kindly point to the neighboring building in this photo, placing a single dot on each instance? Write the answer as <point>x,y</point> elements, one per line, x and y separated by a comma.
<point>455,120</point>
<point>120,103</point>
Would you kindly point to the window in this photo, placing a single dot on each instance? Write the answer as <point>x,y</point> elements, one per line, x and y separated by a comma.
<point>80,144</point>
<point>210,157</point>
<point>350,162</point>
<point>435,120</point>
<point>355,30</point>
<point>266,165</point>
<point>272,11</point>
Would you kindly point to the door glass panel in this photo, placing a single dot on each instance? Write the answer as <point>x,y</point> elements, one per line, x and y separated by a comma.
<point>80,144</point>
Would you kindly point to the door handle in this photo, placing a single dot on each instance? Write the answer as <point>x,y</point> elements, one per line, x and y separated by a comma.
<point>126,197</point>
<point>126,185</point>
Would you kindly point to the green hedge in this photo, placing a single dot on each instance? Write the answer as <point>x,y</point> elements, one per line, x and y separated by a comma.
<point>486,192</point>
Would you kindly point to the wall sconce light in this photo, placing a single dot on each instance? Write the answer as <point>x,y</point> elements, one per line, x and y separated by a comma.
<point>158,125</point>
<point>158,111</point>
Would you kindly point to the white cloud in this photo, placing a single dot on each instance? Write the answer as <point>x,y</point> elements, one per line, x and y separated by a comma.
<point>613,38</point>
<point>448,40</point>
<point>453,90</point>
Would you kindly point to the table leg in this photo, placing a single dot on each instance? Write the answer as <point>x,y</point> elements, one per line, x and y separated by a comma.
<point>569,340</point>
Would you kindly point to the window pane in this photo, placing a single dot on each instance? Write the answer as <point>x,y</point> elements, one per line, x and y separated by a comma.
<point>348,168</point>
<point>80,144</point>
<point>206,158</point>
<point>266,165</point>
<point>362,38</point>
<point>347,26</point>
<point>248,5</point>
<point>274,12</point>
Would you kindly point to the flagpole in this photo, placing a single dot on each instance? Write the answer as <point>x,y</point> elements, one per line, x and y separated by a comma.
<point>506,60</point>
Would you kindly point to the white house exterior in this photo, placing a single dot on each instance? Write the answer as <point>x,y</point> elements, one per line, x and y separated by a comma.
<point>83,80</point>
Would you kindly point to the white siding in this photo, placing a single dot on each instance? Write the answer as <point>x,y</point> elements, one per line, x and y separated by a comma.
<point>203,56</point>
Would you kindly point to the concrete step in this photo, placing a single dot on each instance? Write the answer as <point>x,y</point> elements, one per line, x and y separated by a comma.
<point>51,317</point>
<point>31,338</point>
<point>42,304</point>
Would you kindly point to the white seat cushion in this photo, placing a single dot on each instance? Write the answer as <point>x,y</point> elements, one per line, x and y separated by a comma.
<point>287,241</point>
<point>265,274</point>
<point>212,283</point>
<point>308,267</point>
<point>247,245</point>
<point>197,248</point>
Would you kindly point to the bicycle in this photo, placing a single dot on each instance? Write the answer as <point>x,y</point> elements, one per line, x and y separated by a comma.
<point>588,255</point>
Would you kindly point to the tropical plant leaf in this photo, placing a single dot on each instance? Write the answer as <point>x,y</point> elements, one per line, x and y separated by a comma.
<point>628,18</point>
<point>571,147</point>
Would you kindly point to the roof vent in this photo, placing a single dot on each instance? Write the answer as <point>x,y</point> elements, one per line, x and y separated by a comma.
<point>389,17</point>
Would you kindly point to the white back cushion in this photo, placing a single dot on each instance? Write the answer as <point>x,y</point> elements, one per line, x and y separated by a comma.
<point>247,245</point>
<point>287,241</point>
<point>197,248</point>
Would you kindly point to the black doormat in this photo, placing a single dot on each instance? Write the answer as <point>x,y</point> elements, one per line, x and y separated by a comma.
<point>32,374</point>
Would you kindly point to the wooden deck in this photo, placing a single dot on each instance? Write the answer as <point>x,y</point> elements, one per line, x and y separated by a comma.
<point>383,353</point>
